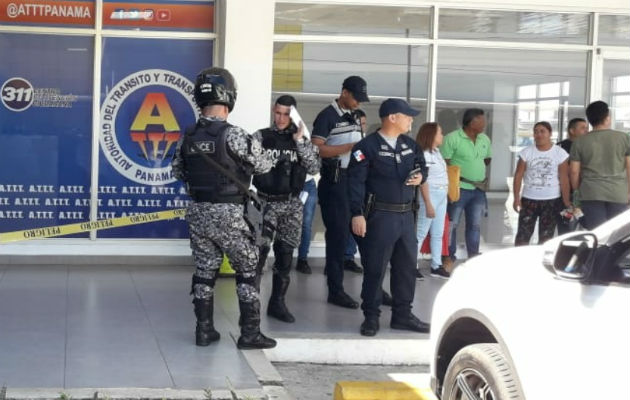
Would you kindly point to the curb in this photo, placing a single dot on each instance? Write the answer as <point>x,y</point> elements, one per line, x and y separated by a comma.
<point>128,394</point>
<point>385,390</point>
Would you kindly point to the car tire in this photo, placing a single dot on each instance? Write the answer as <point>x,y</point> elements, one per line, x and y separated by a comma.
<point>484,370</point>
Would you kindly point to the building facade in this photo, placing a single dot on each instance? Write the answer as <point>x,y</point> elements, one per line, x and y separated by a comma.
<point>96,93</point>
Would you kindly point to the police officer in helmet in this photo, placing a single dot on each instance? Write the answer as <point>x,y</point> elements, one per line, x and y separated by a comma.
<point>216,216</point>
<point>280,188</point>
<point>384,172</point>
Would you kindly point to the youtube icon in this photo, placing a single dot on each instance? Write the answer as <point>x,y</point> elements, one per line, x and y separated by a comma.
<point>163,15</point>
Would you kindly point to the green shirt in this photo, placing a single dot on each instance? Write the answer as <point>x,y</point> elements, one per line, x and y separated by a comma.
<point>461,150</point>
<point>602,156</point>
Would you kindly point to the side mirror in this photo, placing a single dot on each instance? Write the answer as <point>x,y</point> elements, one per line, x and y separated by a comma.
<point>573,258</point>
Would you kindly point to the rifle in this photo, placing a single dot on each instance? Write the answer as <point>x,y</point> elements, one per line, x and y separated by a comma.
<point>254,207</point>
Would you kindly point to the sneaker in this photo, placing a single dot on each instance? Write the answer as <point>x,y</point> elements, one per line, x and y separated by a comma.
<point>303,267</point>
<point>440,273</point>
<point>419,275</point>
<point>350,265</point>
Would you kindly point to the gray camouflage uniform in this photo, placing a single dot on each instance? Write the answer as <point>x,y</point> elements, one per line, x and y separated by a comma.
<point>284,218</point>
<point>220,228</point>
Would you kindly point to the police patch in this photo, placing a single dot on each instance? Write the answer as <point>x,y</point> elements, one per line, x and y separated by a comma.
<point>358,155</point>
<point>386,154</point>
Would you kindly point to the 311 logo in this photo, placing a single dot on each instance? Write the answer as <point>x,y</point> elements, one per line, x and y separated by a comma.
<point>17,94</point>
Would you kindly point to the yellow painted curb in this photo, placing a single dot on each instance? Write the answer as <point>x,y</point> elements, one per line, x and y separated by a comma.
<point>387,390</point>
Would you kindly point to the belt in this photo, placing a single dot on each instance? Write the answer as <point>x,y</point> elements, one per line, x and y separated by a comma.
<point>395,207</point>
<point>275,197</point>
<point>213,198</point>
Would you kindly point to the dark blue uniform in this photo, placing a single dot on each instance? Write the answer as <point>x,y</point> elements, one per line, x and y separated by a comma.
<point>376,168</point>
<point>336,127</point>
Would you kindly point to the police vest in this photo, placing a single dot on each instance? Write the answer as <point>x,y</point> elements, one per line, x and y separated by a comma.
<point>206,184</point>
<point>287,176</point>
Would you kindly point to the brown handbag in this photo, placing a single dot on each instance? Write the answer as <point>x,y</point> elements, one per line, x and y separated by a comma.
<point>453,172</point>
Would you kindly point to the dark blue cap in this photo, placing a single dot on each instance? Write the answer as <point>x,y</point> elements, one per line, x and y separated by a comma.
<point>395,106</point>
<point>357,86</point>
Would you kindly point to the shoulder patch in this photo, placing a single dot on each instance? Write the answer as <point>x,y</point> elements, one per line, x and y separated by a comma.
<point>358,155</point>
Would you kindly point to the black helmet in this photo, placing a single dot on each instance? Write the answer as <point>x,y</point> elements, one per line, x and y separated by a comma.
<point>215,86</point>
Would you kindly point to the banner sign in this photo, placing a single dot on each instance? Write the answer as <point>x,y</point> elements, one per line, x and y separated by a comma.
<point>171,15</point>
<point>45,130</point>
<point>47,12</point>
<point>146,104</point>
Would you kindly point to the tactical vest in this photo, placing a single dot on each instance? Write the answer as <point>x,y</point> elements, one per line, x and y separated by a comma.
<point>287,176</point>
<point>206,184</point>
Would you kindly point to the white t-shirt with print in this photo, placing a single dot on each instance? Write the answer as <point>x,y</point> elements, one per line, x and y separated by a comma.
<point>541,180</point>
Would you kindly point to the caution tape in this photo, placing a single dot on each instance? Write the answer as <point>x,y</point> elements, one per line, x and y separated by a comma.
<point>62,230</point>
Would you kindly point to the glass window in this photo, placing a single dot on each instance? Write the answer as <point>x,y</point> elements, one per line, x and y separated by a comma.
<point>616,92</point>
<point>513,26</point>
<point>516,88</point>
<point>45,130</point>
<point>329,19</point>
<point>146,104</point>
<point>314,72</point>
<point>614,30</point>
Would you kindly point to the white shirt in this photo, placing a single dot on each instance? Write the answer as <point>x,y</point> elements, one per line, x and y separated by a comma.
<point>541,180</point>
<point>437,168</point>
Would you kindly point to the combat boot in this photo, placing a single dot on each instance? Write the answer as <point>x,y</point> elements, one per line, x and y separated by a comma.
<point>277,308</point>
<point>282,265</point>
<point>251,337</point>
<point>205,333</point>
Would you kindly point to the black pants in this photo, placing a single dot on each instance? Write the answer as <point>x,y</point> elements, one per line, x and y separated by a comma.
<point>390,239</point>
<point>545,211</point>
<point>335,207</point>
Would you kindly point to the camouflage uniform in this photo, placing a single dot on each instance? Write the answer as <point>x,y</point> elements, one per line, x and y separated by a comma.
<point>283,211</point>
<point>220,228</point>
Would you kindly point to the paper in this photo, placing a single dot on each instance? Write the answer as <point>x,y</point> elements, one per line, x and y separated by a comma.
<point>303,196</point>
<point>297,119</point>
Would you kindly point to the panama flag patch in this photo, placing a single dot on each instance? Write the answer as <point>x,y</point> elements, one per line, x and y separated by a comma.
<point>358,155</point>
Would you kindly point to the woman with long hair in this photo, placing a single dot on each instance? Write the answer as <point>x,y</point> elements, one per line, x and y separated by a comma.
<point>433,200</point>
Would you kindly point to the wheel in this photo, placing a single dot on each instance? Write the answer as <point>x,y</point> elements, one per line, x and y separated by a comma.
<point>481,372</point>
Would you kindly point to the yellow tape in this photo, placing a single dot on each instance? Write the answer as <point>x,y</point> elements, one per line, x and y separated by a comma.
<point>61,230</point>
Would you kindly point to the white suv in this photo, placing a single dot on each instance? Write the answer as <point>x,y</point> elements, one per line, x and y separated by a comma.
<point>547,322</point>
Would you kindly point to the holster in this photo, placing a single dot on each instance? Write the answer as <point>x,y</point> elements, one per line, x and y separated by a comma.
<point>253,214</point>
<point>369,205</point>
<point>331,169</point>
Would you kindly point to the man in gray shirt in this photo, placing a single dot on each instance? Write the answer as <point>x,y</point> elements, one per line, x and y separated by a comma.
<point>600,168</point>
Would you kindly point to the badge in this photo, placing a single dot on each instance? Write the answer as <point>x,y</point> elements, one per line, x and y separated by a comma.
<point>358,155</point>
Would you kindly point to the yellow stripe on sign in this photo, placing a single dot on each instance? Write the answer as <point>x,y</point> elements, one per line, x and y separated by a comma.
<point>70,229</point>
<point>386,390</point>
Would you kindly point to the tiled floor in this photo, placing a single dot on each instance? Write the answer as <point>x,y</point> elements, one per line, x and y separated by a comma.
<point>133,326</point>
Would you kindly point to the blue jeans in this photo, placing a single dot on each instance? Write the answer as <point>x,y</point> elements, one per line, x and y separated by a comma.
<point>435,225</point>
<point>473,203</point>
<point>597,212</point>
<point>351,248</point>
<point>307,218</point>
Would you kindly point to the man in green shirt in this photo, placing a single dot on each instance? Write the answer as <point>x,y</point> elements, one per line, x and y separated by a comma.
<point>600,168</point>
<point>471,149</point>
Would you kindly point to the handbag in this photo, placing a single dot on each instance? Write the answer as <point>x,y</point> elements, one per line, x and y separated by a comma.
<point>453,172</point>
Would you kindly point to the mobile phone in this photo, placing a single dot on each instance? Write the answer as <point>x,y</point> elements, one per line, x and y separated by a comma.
<point>413,173</point>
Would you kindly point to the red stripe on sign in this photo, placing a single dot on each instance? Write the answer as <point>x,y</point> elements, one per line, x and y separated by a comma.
<point>47,12</point>
<point>154,15</point>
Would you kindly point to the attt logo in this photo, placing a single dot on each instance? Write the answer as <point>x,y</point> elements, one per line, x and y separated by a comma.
<point>155,114</point>
<point>141,121</point>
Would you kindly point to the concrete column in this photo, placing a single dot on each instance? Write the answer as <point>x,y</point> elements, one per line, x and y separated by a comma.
<point>246,49</point>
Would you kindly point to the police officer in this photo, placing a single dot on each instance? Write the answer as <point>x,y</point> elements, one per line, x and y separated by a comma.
<point>335,131</point>
<point>280,188</point>
<point>216,216</point>
<point>384,173</point>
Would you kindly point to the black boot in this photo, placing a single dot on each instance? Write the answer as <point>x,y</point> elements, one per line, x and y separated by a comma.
<point>284,257</point>
<point>205,333</point>
<point>277,308</point>
<point>251,338</point>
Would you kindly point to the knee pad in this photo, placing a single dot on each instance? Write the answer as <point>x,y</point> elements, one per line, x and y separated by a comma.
<point>197,280</point>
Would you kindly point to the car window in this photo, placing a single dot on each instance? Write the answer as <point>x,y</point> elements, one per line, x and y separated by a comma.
<point>615,266</point>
